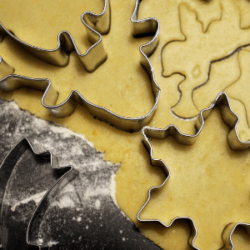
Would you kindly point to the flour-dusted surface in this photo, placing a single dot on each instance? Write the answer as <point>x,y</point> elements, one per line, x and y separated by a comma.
<point>84,215</point>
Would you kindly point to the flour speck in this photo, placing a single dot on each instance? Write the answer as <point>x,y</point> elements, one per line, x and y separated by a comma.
<point>97,204</point>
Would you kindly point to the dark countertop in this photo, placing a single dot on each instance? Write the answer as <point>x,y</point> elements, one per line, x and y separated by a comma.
<point>84,214</point>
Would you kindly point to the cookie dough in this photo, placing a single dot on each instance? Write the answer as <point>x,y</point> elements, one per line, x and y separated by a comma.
<point>121,85</point>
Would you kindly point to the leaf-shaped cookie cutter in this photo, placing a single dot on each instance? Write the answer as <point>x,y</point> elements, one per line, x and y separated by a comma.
<point>142,27</point>
<point>6,170</point>
<point>231,120</point>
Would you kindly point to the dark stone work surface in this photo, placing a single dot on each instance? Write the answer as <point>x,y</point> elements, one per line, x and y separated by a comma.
<point>83,215</point>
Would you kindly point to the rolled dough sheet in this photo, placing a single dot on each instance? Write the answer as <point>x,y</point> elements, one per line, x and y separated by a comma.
<point>125,89</point>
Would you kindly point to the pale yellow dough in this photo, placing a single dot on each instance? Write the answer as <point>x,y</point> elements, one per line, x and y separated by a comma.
<point>39,22</point>
<point>192,57</point>
<point>209,183</point>
<point>240,89</point>
<point>231,76</point>
<point>121,85</point>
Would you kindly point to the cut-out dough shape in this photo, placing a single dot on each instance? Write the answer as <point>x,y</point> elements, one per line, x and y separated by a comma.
<point>167,13</point>
<point>192,58</point>
<point>209,183</point>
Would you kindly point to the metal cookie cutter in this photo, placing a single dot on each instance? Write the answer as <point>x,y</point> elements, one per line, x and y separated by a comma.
<point>96,24</point>
<point>61,177</point>
<point>143,27</point>
<point>235,143</point>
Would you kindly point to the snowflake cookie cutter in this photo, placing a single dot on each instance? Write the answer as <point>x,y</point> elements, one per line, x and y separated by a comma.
<point>7,168</point>
<point>231,119</point>
<point>144,27</point>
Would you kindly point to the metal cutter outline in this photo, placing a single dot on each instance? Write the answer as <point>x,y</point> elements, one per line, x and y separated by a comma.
<point>231,119</point>
<point>6,169</point>
<point>96,26</point>
<point>142,27</point>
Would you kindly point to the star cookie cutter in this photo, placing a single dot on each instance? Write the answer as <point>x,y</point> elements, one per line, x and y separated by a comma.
<point>231,120</point>
<point>142,27</point>
<point>66,174</point>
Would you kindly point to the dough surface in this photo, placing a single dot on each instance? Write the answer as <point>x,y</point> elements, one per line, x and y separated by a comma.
<point>39,22</point>
<point>121,85</point>
<point>209,183</point>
